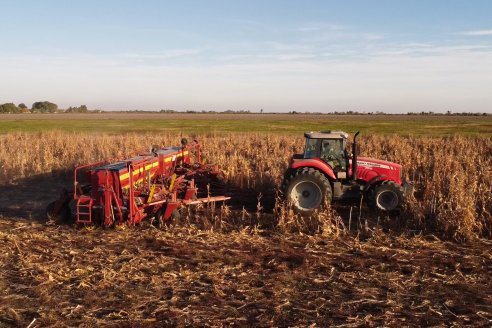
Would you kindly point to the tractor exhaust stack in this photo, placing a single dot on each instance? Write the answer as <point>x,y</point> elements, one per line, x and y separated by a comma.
<point>354,157</point>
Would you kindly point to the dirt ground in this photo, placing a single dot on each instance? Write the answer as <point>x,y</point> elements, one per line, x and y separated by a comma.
<point>185,276</point>
<point>191,275</point>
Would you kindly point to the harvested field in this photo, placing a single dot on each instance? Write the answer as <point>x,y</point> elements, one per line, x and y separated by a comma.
<point>190,277</point>
<point>452,175</point>
<point>251,262</point>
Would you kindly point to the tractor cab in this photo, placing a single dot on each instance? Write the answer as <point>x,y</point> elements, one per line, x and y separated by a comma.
<point>330,147</point>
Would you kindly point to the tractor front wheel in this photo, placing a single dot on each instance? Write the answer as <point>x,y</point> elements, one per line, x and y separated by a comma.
<point>388,196</point>
<point>307,190</point>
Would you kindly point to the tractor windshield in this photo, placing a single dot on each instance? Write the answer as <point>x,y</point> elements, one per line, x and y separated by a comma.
<point>311,149</point>
<point>332,152</point>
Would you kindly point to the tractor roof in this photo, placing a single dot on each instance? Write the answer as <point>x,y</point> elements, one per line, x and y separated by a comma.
<point>326,135</point>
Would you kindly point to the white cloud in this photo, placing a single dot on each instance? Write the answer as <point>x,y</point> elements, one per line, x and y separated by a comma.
<point>161,55</point>
<point>478,33</point>
<point>317,27</point>
<point>372,37</point>
<point>427,49</point>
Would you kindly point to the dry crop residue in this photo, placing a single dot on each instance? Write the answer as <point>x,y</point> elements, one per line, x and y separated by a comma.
<point>452,175</point>
<point>261,267</point>
<point>189,276</point>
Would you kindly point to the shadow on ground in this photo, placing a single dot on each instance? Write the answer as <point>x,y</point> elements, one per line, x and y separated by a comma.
<point>28,197</point>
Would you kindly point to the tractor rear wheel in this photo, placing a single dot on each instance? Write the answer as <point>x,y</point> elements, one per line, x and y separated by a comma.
<point>307,190</point>
<point>388,196</point>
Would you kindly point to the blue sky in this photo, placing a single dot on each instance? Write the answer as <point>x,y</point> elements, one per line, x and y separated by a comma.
<point>393,56</point>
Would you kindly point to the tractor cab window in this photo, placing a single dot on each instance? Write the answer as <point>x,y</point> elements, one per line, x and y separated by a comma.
<point>311,149</point>
<point>332,152</point>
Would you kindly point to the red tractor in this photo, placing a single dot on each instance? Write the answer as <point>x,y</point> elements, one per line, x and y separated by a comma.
<point>325,171</point>
<point>154,184</point>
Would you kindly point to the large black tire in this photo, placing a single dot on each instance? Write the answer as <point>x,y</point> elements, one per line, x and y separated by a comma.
<point>387,196</point>
<point>63,216</point>
<point>307,190</point>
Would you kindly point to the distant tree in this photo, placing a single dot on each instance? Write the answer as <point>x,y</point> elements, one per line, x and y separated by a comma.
<point>44,107</point>
<point>9,108</point>
<point>80,109</point>
<point>22,106</point>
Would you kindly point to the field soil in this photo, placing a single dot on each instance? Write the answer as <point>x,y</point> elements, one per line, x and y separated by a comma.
<point>187,276</point>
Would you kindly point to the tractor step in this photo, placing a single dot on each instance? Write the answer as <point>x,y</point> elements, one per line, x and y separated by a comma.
<point>84,210</point>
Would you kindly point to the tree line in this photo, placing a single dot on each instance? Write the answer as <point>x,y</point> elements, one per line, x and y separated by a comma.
<point>49,107</point>
<point>40,107</point>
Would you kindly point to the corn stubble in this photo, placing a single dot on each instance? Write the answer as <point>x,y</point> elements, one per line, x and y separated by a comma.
<point>259,265</point>
<point>452,175</point>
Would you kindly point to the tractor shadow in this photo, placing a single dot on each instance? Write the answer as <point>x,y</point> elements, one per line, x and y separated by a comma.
<point>359,217</point>
<point>28,197</point>
<point>251,200</point>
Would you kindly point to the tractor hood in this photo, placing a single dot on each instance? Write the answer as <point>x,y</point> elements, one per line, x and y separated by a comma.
<point>369,168</point>
<point>372,162</point>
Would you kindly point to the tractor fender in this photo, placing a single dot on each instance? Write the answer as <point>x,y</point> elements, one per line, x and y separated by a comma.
<point>317,164</point>
<point>372,183</point>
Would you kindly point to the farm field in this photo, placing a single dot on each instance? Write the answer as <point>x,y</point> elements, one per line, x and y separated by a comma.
<point>190,276</point>
<point>250,262</point>
<point>276,123</point>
